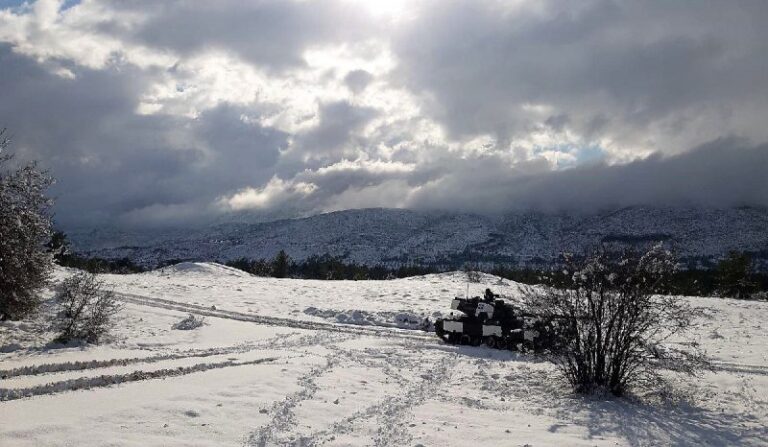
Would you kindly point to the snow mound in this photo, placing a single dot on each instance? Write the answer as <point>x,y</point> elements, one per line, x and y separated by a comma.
<point>402,320</point>
<point>189,323</point>
<point>459,277</point>
<point>201,269</point>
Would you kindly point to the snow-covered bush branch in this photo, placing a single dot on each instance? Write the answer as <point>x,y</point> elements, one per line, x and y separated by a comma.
<point>87,310</point>
<point>614,327</point>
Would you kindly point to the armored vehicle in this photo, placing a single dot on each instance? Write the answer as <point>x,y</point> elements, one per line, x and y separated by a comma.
<point>497,324</point>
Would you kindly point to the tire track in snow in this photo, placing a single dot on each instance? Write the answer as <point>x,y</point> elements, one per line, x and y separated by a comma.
<point>82,365</point>
<point>274,321</point>
<point>739,368</point>
<point>115,379</point>
<point>277,342</point>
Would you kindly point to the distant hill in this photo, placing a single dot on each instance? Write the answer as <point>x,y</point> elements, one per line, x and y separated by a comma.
<point>395,236</point>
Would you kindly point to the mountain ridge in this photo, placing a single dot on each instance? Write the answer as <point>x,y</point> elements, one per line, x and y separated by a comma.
<point>399,236</point>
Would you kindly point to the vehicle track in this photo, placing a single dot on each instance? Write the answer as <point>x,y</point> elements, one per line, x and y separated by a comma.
<point>114,379</point>
<point>739,368</point>
<point>290,341</point>
<point>274,321</point>
<point>85,382</point>
<point>82,365</point>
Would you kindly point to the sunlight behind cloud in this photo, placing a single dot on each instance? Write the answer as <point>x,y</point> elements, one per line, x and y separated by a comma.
<point>390,10</point>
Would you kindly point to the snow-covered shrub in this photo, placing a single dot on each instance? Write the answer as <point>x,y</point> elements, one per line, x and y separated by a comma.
<point>25,225</point>
<point>189,323</point>
<point>613,325</point>
<point>87,310</point>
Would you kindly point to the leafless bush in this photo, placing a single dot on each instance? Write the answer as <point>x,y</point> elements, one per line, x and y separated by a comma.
<point>87,310</point>
<point>613,327</point>
<point>472,272</point>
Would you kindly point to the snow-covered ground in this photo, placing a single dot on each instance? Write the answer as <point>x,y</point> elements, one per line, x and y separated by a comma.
<point>300,362</point>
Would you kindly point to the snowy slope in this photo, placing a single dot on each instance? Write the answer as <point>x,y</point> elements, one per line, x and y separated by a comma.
<point>374,236</point>
<point>274,366</point>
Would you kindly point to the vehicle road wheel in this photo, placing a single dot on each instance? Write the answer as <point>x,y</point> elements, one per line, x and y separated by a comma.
<point>465,340</point>
<point>490,342</point>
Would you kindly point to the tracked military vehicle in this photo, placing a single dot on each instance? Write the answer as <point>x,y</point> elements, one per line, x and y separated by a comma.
<point>496,324</point>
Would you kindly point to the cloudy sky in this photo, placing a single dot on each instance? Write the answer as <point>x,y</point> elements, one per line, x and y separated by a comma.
<point>155,113</point>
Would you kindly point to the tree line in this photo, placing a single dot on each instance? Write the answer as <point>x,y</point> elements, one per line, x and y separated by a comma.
<point>325,267</point>
<point>734,276</point>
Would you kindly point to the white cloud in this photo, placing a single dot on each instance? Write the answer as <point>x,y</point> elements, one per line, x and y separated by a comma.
<point>274,193</point>
<point>47,32</point>
<point>369,166</point>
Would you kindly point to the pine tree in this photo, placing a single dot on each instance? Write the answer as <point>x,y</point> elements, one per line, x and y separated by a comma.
<point>58,246</point>
<point>733,276</point>
<point>280,264</point>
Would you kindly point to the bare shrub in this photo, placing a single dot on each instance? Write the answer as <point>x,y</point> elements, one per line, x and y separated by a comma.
<point>613,327</point>
<point>473,273</point>
<point>189,323</point>
<point>87,310</point>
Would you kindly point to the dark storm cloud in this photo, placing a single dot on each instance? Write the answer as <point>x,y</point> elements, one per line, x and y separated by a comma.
<point>109,161</point>
<point>723,173</point>
<point>632,64</point>
<point>269,34</point>
<point>337,123</point>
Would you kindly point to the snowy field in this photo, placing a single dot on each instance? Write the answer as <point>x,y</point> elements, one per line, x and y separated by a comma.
<point>303,362</point>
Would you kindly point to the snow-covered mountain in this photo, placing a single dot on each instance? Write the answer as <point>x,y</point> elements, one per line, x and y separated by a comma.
<point>395,236</point>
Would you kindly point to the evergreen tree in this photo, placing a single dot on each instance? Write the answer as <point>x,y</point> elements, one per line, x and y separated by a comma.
<point>25,226</point>
<point>281,264</point>
<point>733,276</point>
<point>58,246</point>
